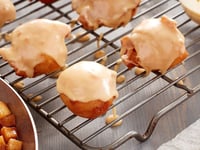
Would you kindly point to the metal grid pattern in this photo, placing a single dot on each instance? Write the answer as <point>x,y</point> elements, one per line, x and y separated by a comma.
<point>81,133</point>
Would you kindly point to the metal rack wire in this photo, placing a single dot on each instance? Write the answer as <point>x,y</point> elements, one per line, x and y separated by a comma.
<point>55,112</point>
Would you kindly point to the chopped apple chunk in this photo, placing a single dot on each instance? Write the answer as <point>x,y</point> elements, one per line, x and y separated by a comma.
<point>14,144</point>
<point>8,121</point>
<point>4,110</point>
<point>9,132</point>
<point>2,143</point>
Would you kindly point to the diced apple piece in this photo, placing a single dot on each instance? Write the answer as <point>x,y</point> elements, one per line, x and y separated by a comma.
<point>2,143</point>
<point>8,121</point>
<point>9,132</point>
<point>4,110</point>
<point>14,144</point>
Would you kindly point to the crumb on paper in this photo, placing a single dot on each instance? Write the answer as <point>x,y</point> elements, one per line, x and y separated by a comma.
<point>110,118</point>
<point>30,95</point>
<point>37,98</point>
<point>104,60</point>
<point>119,61</point>
<point>139,71</point>
<point>72,36</point>
<point>99,54</point>
<point>19,85</point>
<point>117,65</point>
<point>181,82</point>
<point>73,22</point>
<point>84,38</point>
<point>99,39</point>
<point>1,36</point>
<point>121,79</point>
